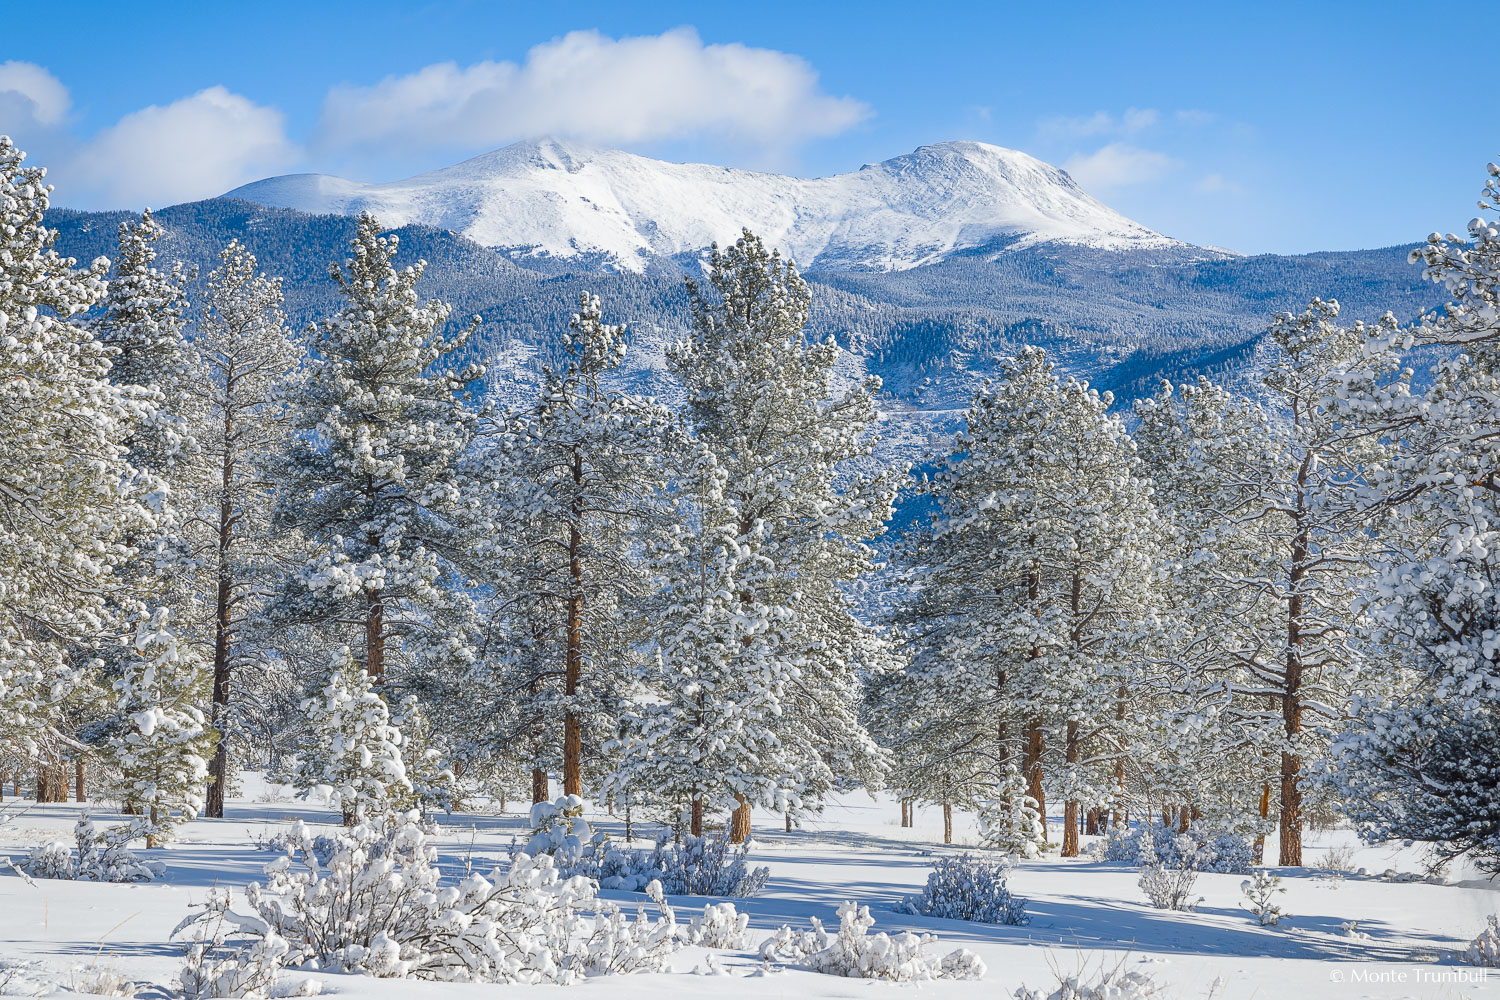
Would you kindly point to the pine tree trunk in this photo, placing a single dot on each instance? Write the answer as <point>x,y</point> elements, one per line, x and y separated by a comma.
<point>1183,815</point>
<point>1114,818</point>
<point>947,822</point>
<point>538,785</point>
<point>695,817</point>
<point>572,737</point>
<point>1290,826</point>
<point>1265,812</point>
<point>1070,807</point>
<point>739,821</point>
<point>1033,768</point>
<point>629,835</point>
<point>375,637</point>
<point>788,821</point>
<point>218,768</point>
<point>81,795</point>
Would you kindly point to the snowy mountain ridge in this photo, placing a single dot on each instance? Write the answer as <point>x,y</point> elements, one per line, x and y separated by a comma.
<point>559,198</point>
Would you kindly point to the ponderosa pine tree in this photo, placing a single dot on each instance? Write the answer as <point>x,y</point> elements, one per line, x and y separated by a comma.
<point>372,478</point>
<point>66,506</point>
<point>1420,760</point>
<point>1294,498</point>
<point>1041,590</point>
<point>143,320</point>
<point>765,402</point>
<point>250,363</point>
<point>579,479</point>
<point>1211,747</point>
<point>704,734</point>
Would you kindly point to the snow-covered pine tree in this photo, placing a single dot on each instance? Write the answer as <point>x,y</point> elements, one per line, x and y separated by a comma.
<point>704,733</point>
<point>355,750</point>
<point>372,479</point>
<point>65,505</point>
<point>433,784</point>
<point>1420,759</point>
<point>1211,749</point>
<point>1041,591</point>
<point>766,402</point>
<point>250,362</point>
<point>579,478</point>
<point>143,318</point>
<point>161,752</point>
<point>1293,488</point>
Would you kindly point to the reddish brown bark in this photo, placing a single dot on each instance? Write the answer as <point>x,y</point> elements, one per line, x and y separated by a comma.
<point>739,821</point>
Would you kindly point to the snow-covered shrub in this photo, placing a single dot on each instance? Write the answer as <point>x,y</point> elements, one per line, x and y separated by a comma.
<point>1168,881</point>
<point>968,888</point>
<point>710,966</point>
<point>558,829</point>
<point>720,926</point>
<point>1012,821</point>
<point>95,856</point>
<point>1338,860</point>
<point>1260,897</point>
<point>1109,984</point>
<point>1484,950</point>
<point>229,955</point>
<point>699,866</point>
<point>1120,843</point>
<point>1224,853</point>
<point>855,952</point>
<point>296,839</point>
<point>53,859</point>
<point>382,907</point>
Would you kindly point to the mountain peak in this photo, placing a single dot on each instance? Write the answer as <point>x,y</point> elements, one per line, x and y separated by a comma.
<point>564,198</point>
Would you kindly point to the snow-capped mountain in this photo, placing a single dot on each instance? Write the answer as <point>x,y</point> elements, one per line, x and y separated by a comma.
<point>567,199</point>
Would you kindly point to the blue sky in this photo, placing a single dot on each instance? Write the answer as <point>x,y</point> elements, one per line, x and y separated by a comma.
<point>1264,128</point>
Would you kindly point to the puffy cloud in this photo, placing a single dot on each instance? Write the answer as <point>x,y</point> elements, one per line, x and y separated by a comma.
<point>1118,165</point>
<point>588,86</point>
<point>30,95</point>
<point>196,147</point>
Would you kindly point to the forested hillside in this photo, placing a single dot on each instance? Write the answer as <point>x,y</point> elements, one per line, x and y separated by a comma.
<point>1122,319</point>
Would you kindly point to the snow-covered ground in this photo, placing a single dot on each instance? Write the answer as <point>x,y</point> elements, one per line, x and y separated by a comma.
<point>64,936</point>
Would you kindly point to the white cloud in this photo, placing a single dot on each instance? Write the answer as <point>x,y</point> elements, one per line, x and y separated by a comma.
<point>588,86</point>
<point>31,95</point>
<point>1119,165</point>
<point>1102,123</point>
<point>195,147</point>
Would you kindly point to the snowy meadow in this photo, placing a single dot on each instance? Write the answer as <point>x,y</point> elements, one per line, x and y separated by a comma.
<point>326,668</point>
